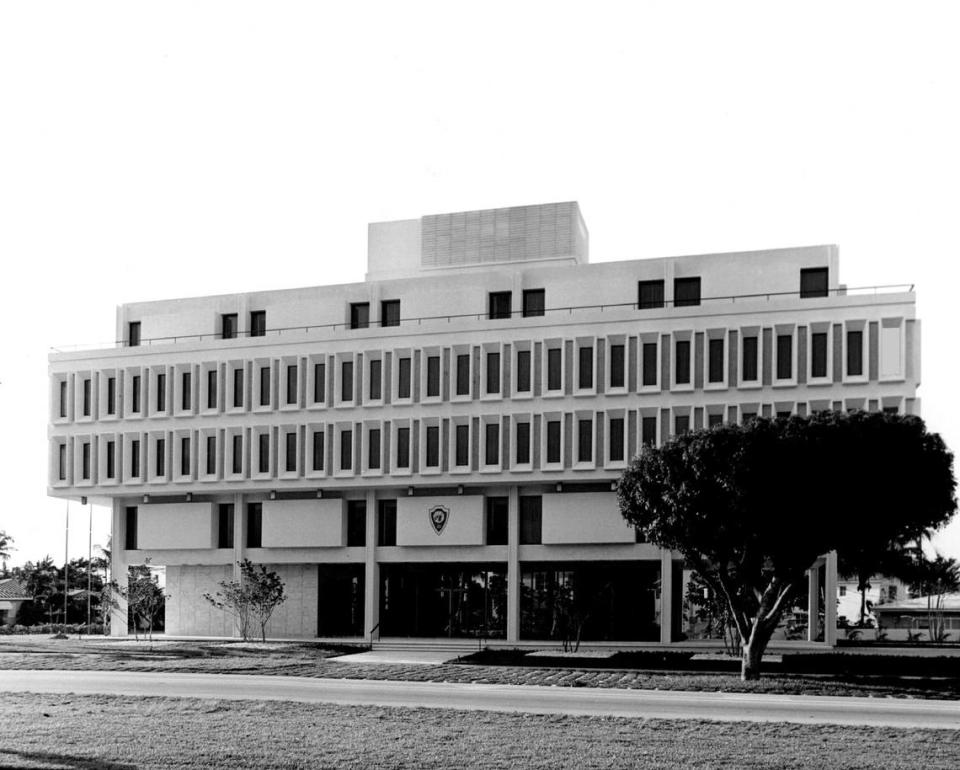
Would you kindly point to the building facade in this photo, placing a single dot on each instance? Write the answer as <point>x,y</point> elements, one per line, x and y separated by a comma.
<point>432,452</point>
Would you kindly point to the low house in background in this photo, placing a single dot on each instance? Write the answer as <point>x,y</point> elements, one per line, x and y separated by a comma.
<point>12,595</point>
<point>910,616</point>
<point>882,590</point>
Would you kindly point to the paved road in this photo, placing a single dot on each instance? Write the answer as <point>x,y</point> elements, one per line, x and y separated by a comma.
<point>887,712</point>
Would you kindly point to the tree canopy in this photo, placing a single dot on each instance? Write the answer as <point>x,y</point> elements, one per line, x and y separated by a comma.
<point>751,507</point>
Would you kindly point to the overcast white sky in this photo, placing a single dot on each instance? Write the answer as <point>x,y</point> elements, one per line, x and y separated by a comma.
<point>173,149</point>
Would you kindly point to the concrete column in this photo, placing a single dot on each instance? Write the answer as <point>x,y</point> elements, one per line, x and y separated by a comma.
<point>830,600</point>
<point>371,572</point>
<point>118,567</point>
<point>666,597</point>
<point>813,602</point>
<point>513,564</point>
<point>239,542</point>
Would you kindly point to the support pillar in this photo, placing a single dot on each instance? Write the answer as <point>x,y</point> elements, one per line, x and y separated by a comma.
<point>371,572</point>
<point>813,602</point>
<point>830,600</point>
<point>118,567</point>
<point>513,564</point>
<point>666,597</point>
<point>239,543</point>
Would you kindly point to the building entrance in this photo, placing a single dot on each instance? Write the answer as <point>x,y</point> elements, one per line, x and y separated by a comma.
<point>340,600</point>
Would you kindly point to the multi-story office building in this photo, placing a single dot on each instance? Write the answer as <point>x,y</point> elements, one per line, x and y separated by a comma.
<point>432,452</point>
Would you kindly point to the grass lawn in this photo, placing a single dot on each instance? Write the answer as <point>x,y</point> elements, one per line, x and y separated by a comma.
<point>53,731</point>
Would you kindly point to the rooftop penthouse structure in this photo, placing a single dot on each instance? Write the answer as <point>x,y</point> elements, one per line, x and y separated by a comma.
<point>431,453</point>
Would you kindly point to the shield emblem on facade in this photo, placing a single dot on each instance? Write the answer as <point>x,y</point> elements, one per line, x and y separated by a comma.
<point>439,516</point>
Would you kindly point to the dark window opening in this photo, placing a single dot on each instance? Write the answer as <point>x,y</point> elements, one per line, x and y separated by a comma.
<point>390,312</point>
<point>751,363</point>
<point>290,452</point>
<point>818,354</point>
<point>263,453</point>
<point>130,529</point>
<point>264,386</point>
<point>554,369</point>
<point>375,388</point>
<point>346,450</point>
<point>784,356</point>
<point>63,398</point>
<point>254,525</point>
<point>318,450</point>
<point>616,453</point>
<point>433,376</point>
<point>356,523</point>
<point>714,419</point>
<point>814,282</point>
<point>648,431</point>
<point>585,369</point>
<point>237,447</point>
<point>491,455</point>
<point>228,326</point>
<point>86,398</point>
<point>463,374</point>
<point>111,395</point>
<point>211,455</point>
<point>523,371</point>
<point>523,443</point>
<point>373,449</point>
<point>534,302</point>
<point>617,366</point>
<point>135,459</point>
<point>497,520</point>
<point>62,460</point>
<point>225,525</point>
<point>135,395</point>
<point>686,292</point>
<point>111,459</point>
<point>346,381</point>
<point>319,383</point>
<point>681,424</point>
<point>462,448</point>
<point>238,387</point>
<point>650,295</point>
<point>387,522</point>
<point>359,315</point>
<point>133,334</point>
<point>584,441</point>
<point>292,384</point>
<point>403,377</point>
<point>161,392</point>
<point>185,388</point>
<point>185,456</point>
<point>500,303</point>
<point>682,370</point>
<point>403,447</point>
<point>433,446</point>
<point>854,353</point>
<point>716,360</point>
<point>258,323</point>
<point>212,389</point>
<point>553,441</point>
<point>161,464</point>
<point>649,375</point>
<point>531,520</point>
<point>493,373</point>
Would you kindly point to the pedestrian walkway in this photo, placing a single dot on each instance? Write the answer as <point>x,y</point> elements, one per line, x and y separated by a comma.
<point>390,657</point>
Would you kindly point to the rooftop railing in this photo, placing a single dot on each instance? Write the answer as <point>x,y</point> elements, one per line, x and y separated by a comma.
<point>501,316</point>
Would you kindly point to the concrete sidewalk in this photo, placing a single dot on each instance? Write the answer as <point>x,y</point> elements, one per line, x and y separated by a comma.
<point>882,712</point>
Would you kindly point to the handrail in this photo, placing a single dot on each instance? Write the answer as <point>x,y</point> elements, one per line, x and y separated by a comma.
<point>507,315</point>
<point>371,633</point>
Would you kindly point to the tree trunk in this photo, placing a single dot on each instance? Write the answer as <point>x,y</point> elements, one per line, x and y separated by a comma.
<point>751,658</point>
<point>863,605</point>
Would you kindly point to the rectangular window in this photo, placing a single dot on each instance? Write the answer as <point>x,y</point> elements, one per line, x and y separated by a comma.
<point>462,449</point>
<point>531,520</point>
<point>715,373</point>
<point>258,323</point>
<point>585,370</point>
<point>63,398</point>
<point>135,459</point>
<point>523,371</point>
<point>373,449</point>
<point>387,523</point>
<point>133,334</point>
<point>615,452</point>
<point>185,391</point>
<point>135,394</point>
<point>433,376</point>
<point>318,450</point>
<point>212,389</point>
<point>86,398</point>
<point>376,383</point>
<point>500,303</point>
<point>491,454</point>
<point>390,312</point>
<point>225,525</point>
<point>237,464</point>
<point>818,354</point>
<point>433,446</point>
<point>161,464</point>
<point>751,362</point>
<point>403,447</point>
<point>228,326</point>
<point>463,374</point>
<point>814,282</point>
<point>403,377</point>
<point>184,456</point>
<point>854,353</point>
<point>111,395</point>
<point>649,294</point>
<point>649,376</point>
<point>319,383</point>
<point>346,381</point>
<point>493,373</point>
<point>254,525</point>
<point>161,392</point>
<point>211,455</point>
<point>553,441</point>
<point>238,387</point>
<point>130,539</point>
<point>584,441</point>
<point>534,302</point>
<point>62,460</point>
<point>681,424</point>
<point>356,523</point>
<point>714,419</point>
<point>290,461</point>
<point>686,292</point>
<point>648,431</point>
<point>292,384</point>
<point>683,363</point>
<point>346,450</point>
<point>111,459</point>
<point>359,315</point>
<point>523,443</point>
<point>554,369</point>
<point>784,356</point>
<point>264,386</point>
<point>263,453</point>
<point>617,366</point>
<point>497,520</point>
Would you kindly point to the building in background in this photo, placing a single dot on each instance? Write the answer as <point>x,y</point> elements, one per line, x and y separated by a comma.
<point>431,453</point>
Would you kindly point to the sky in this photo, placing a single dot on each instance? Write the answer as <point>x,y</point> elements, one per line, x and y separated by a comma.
<point>150,151</point>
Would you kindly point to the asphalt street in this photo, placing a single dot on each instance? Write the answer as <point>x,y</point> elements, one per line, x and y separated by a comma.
<point>661,704</point>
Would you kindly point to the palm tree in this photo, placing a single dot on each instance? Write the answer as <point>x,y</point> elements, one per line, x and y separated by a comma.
<point>6,547</point>
<point>936,578</point>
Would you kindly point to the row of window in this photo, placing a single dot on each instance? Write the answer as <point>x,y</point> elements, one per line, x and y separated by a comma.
<point>495,515</point>
<point>650,294</point>
<point>582,440</point>
<point>745,358</point>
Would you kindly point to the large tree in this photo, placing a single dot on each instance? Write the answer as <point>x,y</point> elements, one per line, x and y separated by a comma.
<point>751,507</point>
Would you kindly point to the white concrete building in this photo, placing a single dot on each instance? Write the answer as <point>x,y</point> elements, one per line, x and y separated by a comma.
<point>430,453</point>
